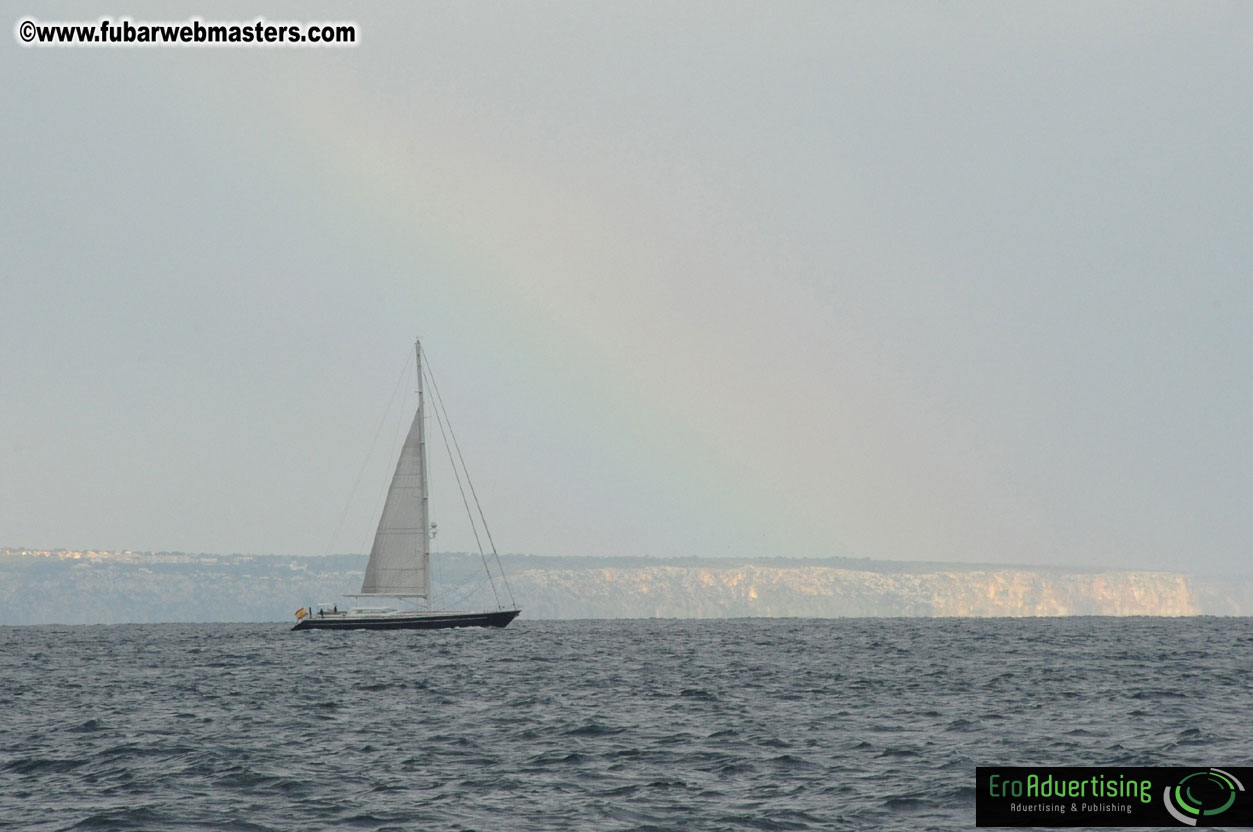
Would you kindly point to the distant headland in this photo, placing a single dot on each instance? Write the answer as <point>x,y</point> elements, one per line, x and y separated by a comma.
<point>107,587</point>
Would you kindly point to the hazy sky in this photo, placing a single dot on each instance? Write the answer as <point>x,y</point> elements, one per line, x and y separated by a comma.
<point>944,281</point>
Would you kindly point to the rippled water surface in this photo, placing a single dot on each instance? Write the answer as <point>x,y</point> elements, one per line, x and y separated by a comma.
<point>605,725</point>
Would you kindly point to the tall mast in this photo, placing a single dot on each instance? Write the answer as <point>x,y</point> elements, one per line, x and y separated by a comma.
<point>425,513</point>
<point>399,564</point>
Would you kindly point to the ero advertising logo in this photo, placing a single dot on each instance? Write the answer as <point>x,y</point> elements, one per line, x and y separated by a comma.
<point>1096,796</point>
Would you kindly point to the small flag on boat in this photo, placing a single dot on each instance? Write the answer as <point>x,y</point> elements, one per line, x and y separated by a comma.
<point>301,613</point>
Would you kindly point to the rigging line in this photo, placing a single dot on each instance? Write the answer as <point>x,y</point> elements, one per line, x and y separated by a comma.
<point>466,600</point>
<point>466,587</point>
<point>352,492</point>
<point>464,501</point>
<point>439,399</point>
<point>462,592</point>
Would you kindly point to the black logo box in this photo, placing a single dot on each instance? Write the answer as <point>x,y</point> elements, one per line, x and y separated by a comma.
<point>1102,796</point>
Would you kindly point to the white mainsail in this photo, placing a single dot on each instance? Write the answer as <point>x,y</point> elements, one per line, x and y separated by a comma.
<point>400,559</point>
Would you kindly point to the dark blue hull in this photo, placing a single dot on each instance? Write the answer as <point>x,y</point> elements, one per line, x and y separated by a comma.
<point>417,621</point>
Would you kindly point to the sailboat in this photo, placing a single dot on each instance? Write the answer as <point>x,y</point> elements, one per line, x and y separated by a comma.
<point>400,559</point>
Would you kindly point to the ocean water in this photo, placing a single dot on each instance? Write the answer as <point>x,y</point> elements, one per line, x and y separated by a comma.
<point>774,724</point>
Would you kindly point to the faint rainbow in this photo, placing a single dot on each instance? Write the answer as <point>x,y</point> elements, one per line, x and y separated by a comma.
<point>383,177</point>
